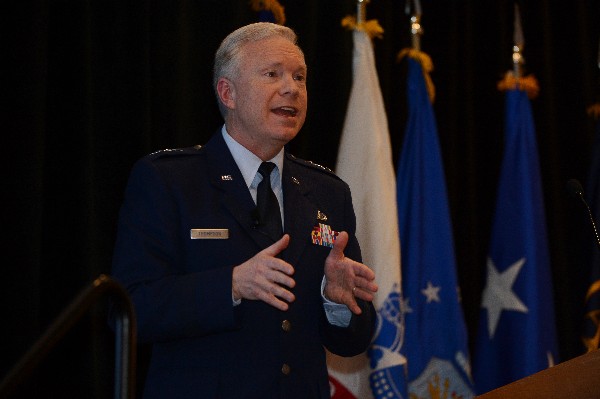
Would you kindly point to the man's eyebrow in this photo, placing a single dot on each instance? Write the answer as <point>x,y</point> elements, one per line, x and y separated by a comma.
<point>302,67</point>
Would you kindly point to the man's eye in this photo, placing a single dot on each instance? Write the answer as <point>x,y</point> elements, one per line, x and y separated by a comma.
<point>300,78</point>
<point>271,74</point>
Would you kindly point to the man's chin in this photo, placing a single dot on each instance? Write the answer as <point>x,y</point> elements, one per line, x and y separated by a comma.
<point>287,133</point>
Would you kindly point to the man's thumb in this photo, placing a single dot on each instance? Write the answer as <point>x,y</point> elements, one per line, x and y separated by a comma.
<point>340,243</point>
<point>278,246</point>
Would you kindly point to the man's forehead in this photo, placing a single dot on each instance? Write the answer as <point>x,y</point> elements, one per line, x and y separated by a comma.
<point>274,46</point>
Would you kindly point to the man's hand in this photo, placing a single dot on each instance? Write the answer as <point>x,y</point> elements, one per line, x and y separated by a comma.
<point>346,279</point>
<point>265,277</point>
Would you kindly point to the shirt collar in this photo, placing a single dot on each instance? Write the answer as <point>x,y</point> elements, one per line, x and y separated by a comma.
<point>247,161</point>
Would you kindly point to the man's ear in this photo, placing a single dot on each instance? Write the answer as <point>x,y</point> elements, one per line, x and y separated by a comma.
<point>226,91</point>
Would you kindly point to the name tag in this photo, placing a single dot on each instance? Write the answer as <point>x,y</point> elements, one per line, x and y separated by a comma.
<point>209,234</point>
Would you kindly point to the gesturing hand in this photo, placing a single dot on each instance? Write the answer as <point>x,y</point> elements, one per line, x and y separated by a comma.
<point>346,279</point>
<point>264,277</point>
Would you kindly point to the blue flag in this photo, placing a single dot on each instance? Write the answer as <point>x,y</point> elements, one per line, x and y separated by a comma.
<point>591,328</point>
<point>435,343</point>
<point>517,331</point>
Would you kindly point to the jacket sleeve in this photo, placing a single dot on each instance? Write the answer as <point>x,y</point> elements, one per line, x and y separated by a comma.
<point>356,337</point>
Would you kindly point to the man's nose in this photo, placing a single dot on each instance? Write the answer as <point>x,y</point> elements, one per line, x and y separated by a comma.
<point>290,85</point>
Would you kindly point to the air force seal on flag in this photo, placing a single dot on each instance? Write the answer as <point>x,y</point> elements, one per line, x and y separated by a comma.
<point>440,379</point>
<point>388,376</point>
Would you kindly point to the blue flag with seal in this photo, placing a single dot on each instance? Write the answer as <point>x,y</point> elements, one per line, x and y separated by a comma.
<point>517,331</point>
<point>435,342</point>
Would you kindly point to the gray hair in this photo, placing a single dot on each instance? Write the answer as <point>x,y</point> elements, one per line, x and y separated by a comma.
<point>227,58</point>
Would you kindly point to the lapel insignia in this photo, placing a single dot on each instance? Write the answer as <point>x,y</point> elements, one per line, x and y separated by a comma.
<point>295,181</point>
<point>323,235</point>
<point>321,216</point>
<point>226,177</point>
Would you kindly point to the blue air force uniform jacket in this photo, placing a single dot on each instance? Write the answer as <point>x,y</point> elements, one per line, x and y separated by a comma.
<point>202,346</point>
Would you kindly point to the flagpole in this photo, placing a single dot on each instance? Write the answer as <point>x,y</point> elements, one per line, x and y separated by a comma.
<point>415,26</point>
<point>598,53</point>
<point>598,88</point>
<point>361,11</point>
<point>519,44</point>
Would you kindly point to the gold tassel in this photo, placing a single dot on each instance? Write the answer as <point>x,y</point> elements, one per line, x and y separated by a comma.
<point>370,27</point>
<point>594,111</point>
<point>527,83</point>
<point>270,5</point>
<point>426,66</point>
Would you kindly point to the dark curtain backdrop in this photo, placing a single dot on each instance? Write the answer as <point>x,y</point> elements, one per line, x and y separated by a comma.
<point>91,86</point>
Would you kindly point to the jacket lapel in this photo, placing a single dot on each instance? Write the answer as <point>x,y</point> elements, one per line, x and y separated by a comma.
<point>300,213</point>
<point>226,177</point>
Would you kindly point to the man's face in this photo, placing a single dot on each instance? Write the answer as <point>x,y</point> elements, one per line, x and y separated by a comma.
<point>268,97</point>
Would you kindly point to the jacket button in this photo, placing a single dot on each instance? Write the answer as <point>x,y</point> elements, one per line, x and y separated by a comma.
<point>286,325</point>
<point>285,369</point>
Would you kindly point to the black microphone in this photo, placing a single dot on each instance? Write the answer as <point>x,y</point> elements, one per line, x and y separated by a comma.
<point>575,190</point>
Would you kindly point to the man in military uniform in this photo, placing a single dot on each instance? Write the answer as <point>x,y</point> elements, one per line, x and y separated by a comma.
<point>241,259</point>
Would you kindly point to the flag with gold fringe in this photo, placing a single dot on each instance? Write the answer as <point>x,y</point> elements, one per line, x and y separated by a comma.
<point>365,163</point>
<point>269,11</point>
<point>517,335</point>
<point>517,331</point>
<point>435,343</point>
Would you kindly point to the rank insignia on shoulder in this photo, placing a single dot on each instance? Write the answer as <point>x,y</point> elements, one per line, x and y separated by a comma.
<point>226,177</point>
<point>323,235</point>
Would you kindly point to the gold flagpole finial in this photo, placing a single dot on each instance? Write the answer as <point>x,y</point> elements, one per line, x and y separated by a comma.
<point>272,6</point>
<point>414,52</point>
<point>515,78</point>
<point>359,22</point>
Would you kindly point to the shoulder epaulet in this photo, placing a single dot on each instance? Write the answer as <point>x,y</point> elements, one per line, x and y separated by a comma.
<point>176,151</point>
<point>313,165</point>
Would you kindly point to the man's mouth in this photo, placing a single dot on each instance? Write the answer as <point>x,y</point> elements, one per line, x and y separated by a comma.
<point>285,111</point>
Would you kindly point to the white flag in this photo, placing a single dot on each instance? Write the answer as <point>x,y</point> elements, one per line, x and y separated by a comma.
<point>365,163</point>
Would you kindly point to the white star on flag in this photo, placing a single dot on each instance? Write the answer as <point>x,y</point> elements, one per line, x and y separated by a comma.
<point>404,306</point>
<point>431,292</point>
<point>498,294</point>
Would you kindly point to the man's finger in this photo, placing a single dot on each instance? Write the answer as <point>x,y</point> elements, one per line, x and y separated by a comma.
<point>364,294</point>
<point>354,308</point>
<point>277,296</point>
<point>340,243</point>
<point>276,276</point>
<point>278,246</point>
<point>273,301</point>
<point>364,285</point>
<point>364,271</point>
